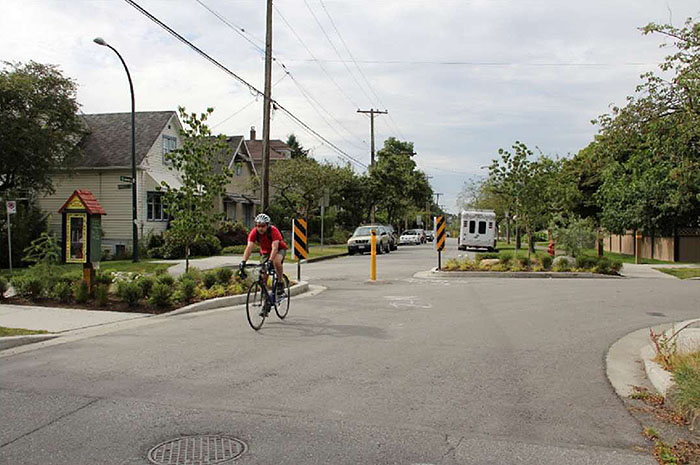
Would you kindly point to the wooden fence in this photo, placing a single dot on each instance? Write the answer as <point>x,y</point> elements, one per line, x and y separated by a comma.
<point>683,246</point>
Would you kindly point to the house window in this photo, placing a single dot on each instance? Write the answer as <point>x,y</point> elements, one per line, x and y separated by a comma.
<point>169,144</point>
<point>239,168</point>
<point>154,208</point>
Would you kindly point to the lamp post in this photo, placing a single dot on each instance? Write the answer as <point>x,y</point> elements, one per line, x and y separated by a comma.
<point>134,228</point>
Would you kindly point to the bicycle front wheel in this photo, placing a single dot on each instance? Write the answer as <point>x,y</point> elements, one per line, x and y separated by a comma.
<point>282,303</point>
<point>255,305</point>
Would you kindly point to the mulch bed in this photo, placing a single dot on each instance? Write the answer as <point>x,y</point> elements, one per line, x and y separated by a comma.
<point>113,305</point>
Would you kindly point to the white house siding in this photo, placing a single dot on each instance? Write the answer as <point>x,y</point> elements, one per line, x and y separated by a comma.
<point>116,225</point>
<point>153,163</point>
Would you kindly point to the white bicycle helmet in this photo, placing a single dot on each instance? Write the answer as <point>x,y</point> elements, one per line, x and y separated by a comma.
<point>262,218</point>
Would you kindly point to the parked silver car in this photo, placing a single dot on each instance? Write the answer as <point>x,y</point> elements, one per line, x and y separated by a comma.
<point>360,240</point>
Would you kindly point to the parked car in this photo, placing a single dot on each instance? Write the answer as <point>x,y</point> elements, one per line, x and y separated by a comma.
<point>394,238</point>
<point>361,240</point>
<point>429,235</point>
<point>411,236</point>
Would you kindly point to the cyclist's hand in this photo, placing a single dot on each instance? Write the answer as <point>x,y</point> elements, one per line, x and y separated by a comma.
<point>241,270</point>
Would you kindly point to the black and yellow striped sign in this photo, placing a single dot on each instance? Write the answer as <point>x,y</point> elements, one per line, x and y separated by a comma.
<point>301,248</point>
<point>440,233</point>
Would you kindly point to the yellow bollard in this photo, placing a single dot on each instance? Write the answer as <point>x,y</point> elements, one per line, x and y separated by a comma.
<point>373,260</point>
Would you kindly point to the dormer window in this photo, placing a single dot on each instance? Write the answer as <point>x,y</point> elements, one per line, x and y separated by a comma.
<point>238,168</point>
<point>169,144</point>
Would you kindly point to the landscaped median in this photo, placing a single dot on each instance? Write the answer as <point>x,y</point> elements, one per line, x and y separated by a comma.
<point>538,265</point>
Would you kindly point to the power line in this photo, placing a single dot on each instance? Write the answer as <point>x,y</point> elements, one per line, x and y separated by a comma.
<point>352,75</point>
<point>369,84</point>
<point>252,88</point>
<point>306,94</point>
<point>474,63</point>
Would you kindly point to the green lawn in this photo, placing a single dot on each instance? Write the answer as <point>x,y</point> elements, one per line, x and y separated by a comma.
<point>144,266</point>
<point>316,251</point>
<point>682,273</point>
<point>18,331</point>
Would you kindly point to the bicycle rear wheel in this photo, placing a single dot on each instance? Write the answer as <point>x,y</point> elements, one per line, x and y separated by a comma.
<point>282,304</point>
<point>255,305</point>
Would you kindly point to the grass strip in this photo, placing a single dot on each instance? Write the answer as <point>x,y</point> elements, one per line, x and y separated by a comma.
<point>681,273</point>
<point>4,332</point>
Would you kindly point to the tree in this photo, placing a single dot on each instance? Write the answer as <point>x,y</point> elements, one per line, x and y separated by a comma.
<point>396,185</point>
<point>40,129</point>
<point>297,150</point>
<point>300,184</point>
<point>200,163</point>
<point>651,146</point>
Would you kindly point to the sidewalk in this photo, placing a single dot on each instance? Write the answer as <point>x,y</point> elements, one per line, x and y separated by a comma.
<point>57,320</point>
<point>207,263</point>
<point>631,270</point>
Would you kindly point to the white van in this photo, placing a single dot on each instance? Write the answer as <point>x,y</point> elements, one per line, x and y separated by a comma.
<point>477,229</point>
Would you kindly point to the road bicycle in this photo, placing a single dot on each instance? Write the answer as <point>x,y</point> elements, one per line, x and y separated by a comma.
<point>260,300</point>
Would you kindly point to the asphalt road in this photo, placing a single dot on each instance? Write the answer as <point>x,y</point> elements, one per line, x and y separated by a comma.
<point>404,371</point>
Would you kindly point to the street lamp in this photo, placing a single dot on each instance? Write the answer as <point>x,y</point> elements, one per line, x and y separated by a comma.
<point>135,238</point>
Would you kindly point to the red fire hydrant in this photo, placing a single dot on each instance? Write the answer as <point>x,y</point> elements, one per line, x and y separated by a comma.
<point>550,248</point>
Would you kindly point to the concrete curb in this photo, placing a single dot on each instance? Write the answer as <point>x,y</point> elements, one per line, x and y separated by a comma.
<point>326,257</point>
<point>519,274</point>
<point>230,301</point>
<point>624,361</point>
<point>14,341</point>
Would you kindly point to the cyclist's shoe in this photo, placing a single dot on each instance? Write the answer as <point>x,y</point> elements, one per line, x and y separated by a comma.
<point>280,291</point>
<point>265,310</point>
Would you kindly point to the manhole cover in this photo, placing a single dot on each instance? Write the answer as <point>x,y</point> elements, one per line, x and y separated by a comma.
<point>197,450</point>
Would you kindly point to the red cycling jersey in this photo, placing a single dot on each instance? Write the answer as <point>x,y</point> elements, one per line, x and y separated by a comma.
<point>267,238</point>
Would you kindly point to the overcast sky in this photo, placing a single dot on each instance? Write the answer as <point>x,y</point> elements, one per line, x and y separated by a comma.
<point>460,78</point>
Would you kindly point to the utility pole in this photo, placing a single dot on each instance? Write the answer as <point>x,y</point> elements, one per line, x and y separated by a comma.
<point>266,111</point>
<point>372,112</point>
<point>437,200</point>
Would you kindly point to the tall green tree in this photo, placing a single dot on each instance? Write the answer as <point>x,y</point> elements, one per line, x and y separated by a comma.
<point>200,163</point>
<point>297,150</point>
<point>398,187</point>
<point>40,129</point>
<point>651,146</point>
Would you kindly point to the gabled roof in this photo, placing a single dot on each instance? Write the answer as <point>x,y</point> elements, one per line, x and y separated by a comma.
<point>108,142</point>
<point>88,200</point>
<point>277,149</point>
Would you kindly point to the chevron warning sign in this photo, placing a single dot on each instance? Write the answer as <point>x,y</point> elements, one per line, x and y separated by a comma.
<point>301,248</point>
<point>441,235</point>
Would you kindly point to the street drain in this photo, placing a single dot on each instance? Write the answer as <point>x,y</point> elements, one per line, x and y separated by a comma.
<point>197,450</point>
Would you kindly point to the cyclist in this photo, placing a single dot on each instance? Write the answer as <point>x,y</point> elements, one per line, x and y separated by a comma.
<point>272,247</point>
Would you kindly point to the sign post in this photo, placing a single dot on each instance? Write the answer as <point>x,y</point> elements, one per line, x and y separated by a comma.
<point>11,208</point>
<point>440,239</point>
<point>300,248</point>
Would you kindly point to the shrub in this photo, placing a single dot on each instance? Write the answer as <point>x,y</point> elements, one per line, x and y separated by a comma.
<point>487,255</point>
<point>146,283</point>
<point>233,250</point>
<point>232,233</point>
<point>586,262</point>
<point>166,279</point>
<point>561,265</point>
<point>186,289</point>
<point>505,257</point>
<point>217,290</point>
<point>223,275</point>
<point>102,277</point>
<point>62,291</point>
<point>101,294</point>
<point>209,279</point>
<point>28,286</point>
<point>154,244</point>
<point>160,295</point>
<point>81,292</point>
<point>129,292</point>
<point>205,246</point>
<point>577,235</point>
<point>524,262</point>
<point>106,255</point>
<point>616,265</point>
<point>194,274</point>
<point>3,287</point>
<point>236,288</point>
<point>546,262</point>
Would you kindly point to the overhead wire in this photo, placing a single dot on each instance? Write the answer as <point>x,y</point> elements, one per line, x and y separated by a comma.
<point>305,93</point>
<point>364,77</point>
<point>250,87</point>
